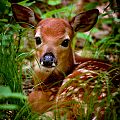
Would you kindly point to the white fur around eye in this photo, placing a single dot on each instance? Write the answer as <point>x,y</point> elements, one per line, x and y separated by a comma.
<point>66,40</point>
<point>38,34</point>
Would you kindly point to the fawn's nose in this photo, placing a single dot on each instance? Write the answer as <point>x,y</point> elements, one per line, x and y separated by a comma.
<point>48,60</point>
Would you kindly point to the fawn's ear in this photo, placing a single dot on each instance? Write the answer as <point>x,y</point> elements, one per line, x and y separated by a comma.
<point>85,20</point>
<point>24,15</point>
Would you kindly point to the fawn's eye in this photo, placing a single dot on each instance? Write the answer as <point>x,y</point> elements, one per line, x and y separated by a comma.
<point>65,43</point>
<point>38,40</point>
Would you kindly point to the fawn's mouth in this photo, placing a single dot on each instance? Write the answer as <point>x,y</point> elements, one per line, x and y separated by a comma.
<point>48,60</point>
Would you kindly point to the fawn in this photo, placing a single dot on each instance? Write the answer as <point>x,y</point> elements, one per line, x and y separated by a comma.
<point>62,77</point>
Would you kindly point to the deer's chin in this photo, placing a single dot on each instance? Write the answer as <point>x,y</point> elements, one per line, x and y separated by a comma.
<point>46,69</point>
<point>53,65</point>
<point>42,70</point>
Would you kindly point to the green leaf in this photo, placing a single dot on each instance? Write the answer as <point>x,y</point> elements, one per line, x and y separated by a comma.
<point>53,12</point>
<point>54,2</point>
<point>84,36</point>
<point>3,20</point>
<point>8,107</point>
<point>91,5</point>
<point>5,92</point>
<point>94,30</point>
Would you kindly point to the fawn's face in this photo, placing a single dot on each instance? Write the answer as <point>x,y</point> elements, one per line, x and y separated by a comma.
<point>53,45</point>
<point>53,39</point>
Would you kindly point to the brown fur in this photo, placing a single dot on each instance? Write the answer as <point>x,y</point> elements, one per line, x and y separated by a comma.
<point>51,84</point>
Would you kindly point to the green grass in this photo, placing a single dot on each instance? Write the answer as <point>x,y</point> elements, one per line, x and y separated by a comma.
<point>13,101</point>
<point>90,100</point>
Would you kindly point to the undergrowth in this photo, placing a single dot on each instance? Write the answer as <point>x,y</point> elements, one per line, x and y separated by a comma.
<point>13,101</point>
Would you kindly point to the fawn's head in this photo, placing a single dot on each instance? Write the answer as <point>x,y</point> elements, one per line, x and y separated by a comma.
<point>53,37</point>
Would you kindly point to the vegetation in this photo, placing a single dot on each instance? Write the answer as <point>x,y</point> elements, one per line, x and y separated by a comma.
<point>103,42</point>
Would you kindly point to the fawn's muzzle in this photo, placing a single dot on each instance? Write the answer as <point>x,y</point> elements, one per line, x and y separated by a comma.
<point>48,60</point>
